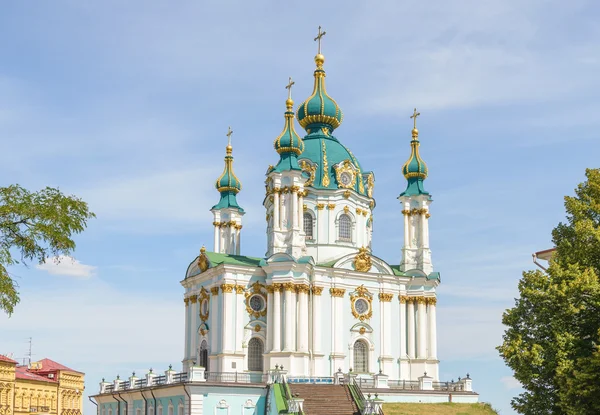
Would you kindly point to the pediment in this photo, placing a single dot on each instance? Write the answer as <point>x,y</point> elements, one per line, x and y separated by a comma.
<point>378,265</point>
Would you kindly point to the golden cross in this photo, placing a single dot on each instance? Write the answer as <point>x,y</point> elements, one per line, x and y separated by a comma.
<point>414,116</point>
<point>289,88</point>
<point>229,132</point>
<point>318,38</point>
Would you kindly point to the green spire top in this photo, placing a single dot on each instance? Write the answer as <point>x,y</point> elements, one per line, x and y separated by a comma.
<point>228,184</point>
<point>415,169</point>
<point>289,145</point>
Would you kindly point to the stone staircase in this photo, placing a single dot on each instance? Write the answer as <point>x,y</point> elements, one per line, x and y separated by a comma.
<point>325,399</point>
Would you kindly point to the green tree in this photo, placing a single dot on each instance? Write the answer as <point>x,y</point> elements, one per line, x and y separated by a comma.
<point>553,331</point>
<point>33,227</point>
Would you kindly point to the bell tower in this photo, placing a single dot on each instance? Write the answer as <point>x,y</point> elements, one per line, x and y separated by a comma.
<point>415,201</point>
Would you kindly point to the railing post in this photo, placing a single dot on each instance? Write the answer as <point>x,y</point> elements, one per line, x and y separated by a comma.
<point>117,383</point>
<point>132,380</point>
<point>103,386</point>
<point>425,382</point>
<point>169,375</point>
<point>196,374</point>
<point>150,378</point>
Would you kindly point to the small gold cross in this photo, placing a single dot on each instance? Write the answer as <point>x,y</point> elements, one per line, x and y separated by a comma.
<point>318,38</point>
<point>229,132</point>
<point>289,88</point>
<point>414,116</point>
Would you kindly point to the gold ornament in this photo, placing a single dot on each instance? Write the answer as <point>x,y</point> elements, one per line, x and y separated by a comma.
<point>309,168</point>
<point>227,288</point>
<point>214,290</point>
<point>325,179</point>
<point>345,167</point>
<point>203,262</point>
<point>361,293</point>
<point>370,184</point>
<point>337,292</point>
<point>385,297</point>
<point>362,260</point>
<point>204,297</point>
<point>316,290</point>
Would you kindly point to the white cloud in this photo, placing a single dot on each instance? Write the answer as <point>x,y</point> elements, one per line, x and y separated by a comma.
<point>67,266</point>
<point>510,382</point>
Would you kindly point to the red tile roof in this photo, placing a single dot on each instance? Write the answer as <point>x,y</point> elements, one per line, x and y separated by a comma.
<point>48,365</point>
<point>22,372</point>
<point>6,359</point>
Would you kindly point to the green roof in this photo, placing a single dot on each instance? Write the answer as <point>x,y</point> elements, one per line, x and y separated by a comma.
<point>218,259</point>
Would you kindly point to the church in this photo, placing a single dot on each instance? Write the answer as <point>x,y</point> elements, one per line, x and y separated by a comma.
<point>320,307</point>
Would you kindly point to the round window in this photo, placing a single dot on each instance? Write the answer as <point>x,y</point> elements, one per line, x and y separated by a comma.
<point>257,303</point>
<point>361,306</point>
<point>346,178</point>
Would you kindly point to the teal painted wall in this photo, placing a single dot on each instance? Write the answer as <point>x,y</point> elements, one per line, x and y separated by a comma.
<point>236,403</point>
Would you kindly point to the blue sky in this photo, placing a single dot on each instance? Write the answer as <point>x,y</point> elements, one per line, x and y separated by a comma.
<point>126,104</point>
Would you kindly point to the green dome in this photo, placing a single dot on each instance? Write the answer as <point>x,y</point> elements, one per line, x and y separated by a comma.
<point>323,152</point>
<point>228,181</point>
<point>319,108</point>
<point>289,141</point>
<point>415,169</point>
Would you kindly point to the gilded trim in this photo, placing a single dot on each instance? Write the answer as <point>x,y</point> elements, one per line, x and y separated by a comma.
<point>364,294</point>
<point>337,292</point>
<point>325,178</point>
<point>385,297</point>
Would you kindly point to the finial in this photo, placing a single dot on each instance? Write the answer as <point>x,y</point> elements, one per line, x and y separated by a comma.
<point>202,250</point>
<point>229,148</point>
<point>133,373</point>
<point>170,367</point>
<point>319,59</point>
<point>289,103</point>
<point>415,132</point>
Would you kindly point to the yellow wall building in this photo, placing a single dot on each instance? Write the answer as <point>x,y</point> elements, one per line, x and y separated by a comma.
<point>44,387</point>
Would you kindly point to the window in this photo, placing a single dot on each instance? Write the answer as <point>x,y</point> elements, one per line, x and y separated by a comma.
<point>361,358</point>
<point>170,409</point>
<point>255,355</point>
<point>180,409</point>
<point>345,225</point>
<point>160,411</point>
<point>308,225</point>
<point>204,355</point>
<point>138,411</point>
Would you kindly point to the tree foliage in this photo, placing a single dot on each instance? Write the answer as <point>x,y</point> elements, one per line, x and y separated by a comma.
<point>552,338</point>
<point>33,227</point>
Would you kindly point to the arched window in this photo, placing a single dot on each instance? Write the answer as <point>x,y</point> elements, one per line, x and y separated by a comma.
<point>170,409</point>
<point>308,225</point>
<point>159,411</point>
<point>255,355</point>
<point>361,357</point>
<point>180,409</point>
<point>345,228</point>
<point>138,411</point>
<point>204,355</point>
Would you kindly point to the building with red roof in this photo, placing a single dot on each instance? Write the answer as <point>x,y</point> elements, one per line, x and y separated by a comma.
<point>42,387</point>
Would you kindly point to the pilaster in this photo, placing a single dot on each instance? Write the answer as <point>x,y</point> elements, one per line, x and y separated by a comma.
<point>421,328</point>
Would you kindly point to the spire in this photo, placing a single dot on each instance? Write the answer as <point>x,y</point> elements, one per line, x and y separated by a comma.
<point>289,145</point>
<point>415,169</point>
<point>319,111</point>
<point>228,184</point>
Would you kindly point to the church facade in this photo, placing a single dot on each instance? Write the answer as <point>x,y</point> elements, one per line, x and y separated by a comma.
<point>320,306</point>
<point>320,300</point>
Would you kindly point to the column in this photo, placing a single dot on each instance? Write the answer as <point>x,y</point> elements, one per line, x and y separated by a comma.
<point>269,345</point>
<point>386,323</point>
<point>214,322</point>
<point>431,304</point>
<point>186,347</point>
<point>276,326</point>
<point>294,196</point>
<point>216,239</point>
<point>239,320</point>
<point>289,326</point>
<point>316,318</point>
<point>421,329</point>
<point>402,299</point>
<point>337,295</point>
<point>301,209</point>
<point>194,329</point>
<point>276,208</point>
<point>406,225</point>
<point>321,224</point>
<point>222,246</point>
<point>411,326</point>
<point>302,344</point>
<point>227,328</point>
<point>238,231</point>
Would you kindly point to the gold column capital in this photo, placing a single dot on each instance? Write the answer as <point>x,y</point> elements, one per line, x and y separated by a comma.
<point>337,292</point>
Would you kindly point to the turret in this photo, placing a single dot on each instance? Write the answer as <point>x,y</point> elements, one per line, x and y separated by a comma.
<point>416,254</point>
<point>228,213</point>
